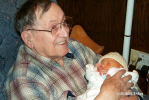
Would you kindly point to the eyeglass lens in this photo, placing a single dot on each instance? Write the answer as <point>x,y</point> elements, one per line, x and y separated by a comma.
<point>67,23</point>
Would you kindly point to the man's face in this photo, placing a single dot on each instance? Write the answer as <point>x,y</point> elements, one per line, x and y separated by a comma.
<point>44,43</point>
<point>108,62</point>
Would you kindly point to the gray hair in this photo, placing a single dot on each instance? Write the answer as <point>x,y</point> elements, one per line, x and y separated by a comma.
<point>26,17</point>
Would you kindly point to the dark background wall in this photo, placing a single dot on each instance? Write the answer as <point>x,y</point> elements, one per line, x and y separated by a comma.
<point>104,22</point>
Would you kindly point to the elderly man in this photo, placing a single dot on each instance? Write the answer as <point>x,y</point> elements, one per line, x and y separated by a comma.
<point>50,65</point>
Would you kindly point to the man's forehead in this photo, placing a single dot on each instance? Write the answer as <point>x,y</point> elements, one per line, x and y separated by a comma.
<point>55,20</point>
<point>53,14</point>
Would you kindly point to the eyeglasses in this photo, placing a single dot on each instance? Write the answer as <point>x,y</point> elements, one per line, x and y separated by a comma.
<point>67,23</point>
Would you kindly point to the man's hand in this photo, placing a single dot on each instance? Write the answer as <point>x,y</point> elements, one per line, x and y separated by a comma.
<point>115,88</point>
<point>132,97</point>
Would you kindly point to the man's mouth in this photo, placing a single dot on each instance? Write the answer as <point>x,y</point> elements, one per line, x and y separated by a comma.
<point>63,42</point>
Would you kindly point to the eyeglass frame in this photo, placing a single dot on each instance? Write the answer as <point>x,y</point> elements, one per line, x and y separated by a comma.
<point>61,23</point>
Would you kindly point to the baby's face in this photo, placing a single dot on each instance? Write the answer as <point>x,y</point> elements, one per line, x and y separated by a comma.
<point>108,62</point>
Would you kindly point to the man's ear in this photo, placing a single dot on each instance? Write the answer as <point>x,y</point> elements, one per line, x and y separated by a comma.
<point>27,38</point>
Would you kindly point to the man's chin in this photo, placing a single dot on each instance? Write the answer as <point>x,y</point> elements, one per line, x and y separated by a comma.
<point>64,52</point>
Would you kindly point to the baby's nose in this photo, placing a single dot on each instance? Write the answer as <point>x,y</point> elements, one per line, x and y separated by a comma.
<point>103,65</point>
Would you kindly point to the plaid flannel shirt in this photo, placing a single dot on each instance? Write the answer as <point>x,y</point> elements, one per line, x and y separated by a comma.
<point>35,77</point>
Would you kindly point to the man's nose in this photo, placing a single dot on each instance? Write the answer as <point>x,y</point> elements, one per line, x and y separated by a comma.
<point>64,31</point>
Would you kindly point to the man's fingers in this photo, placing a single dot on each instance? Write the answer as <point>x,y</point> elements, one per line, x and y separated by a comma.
<point>129,92</point>
<point>119,73</point>
<point>129,85</point>
<point>127,78</point>
<point>108,76</point>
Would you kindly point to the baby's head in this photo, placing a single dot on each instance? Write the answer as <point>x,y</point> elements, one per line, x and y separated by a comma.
<point>113,59</point>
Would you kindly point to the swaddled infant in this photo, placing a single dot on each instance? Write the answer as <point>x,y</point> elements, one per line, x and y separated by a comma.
<point>108,64</point>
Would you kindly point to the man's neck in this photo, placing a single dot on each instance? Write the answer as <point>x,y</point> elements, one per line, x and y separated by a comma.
<point>61,62</point>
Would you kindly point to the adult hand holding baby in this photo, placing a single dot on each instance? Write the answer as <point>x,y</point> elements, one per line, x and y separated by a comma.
<point>115,87</point>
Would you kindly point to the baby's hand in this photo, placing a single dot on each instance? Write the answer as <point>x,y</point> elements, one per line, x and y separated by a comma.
<point>98,66</point>
<point>100,69</point>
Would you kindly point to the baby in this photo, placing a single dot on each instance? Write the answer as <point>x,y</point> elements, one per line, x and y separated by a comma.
<point>108,64</point>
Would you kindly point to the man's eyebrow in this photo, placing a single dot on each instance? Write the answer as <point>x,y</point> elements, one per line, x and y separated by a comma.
<point>62,18</point>
<point>52,21</point>
<point>56,20</point>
